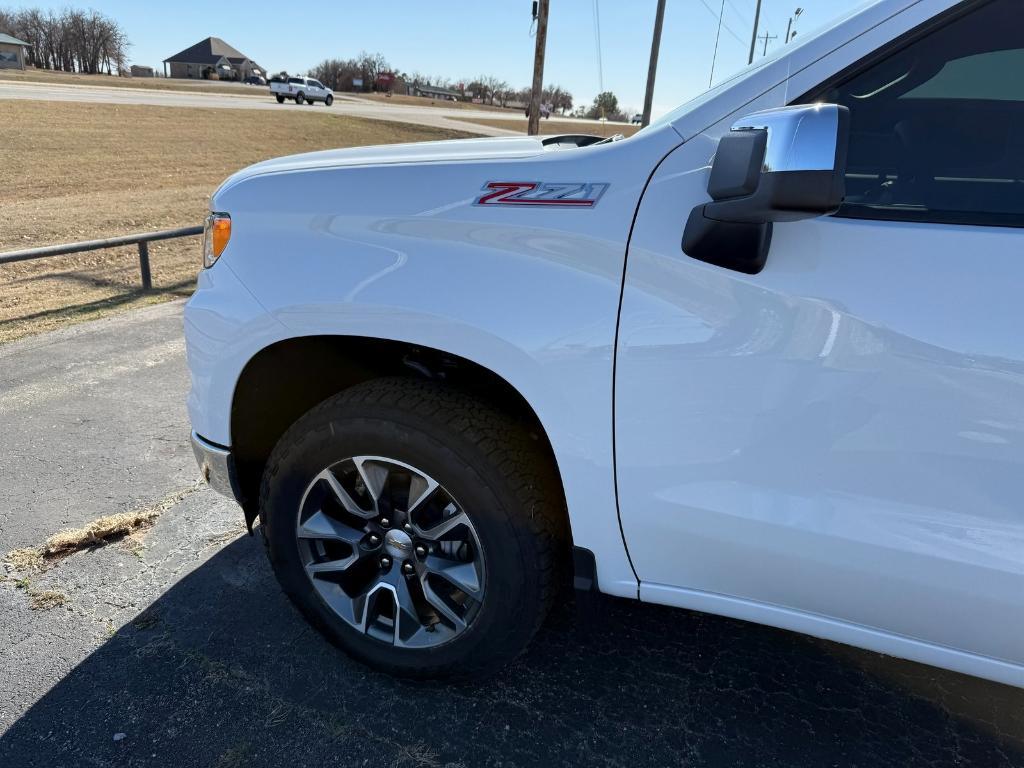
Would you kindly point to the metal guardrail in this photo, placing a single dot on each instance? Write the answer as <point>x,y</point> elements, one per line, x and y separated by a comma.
<point>142,240</point>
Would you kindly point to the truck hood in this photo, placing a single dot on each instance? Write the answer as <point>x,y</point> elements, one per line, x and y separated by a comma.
<point>423,152</point>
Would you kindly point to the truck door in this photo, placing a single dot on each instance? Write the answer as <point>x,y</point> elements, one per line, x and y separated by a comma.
<point>836,444</point>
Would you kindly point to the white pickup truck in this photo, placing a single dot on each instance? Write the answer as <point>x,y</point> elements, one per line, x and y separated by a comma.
<point>301,90</point>
<point>762,359</point>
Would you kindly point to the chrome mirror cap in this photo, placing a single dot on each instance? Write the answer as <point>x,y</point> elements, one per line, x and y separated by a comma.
<point>800,138</point>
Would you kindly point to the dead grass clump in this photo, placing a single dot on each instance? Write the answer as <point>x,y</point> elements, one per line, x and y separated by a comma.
<point>46,599</point>
<point>26,559</point>
<point>99,531</point>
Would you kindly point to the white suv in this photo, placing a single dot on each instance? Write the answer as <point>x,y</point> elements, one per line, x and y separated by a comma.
<point>762,359</point>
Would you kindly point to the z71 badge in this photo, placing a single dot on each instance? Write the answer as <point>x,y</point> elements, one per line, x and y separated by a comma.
<point>539,193</point>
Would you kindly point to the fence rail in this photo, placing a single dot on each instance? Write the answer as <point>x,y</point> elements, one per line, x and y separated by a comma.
<point>142,240</point>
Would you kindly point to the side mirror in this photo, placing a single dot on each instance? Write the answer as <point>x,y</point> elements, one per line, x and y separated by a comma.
<point>777,165</point>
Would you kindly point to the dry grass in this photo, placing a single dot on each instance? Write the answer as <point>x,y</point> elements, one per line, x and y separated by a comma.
<point>555,127</point>
<point>72,171</point>
<point>109,81</point>
<point>423,101</point>
<point>99,532</point>
<point>46,599</point>
<point>40,599</point>
<point>27,559</point>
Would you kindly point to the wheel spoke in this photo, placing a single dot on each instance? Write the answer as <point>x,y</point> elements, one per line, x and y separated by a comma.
<point>407,618</point>
<point>443,527</point>
<point>462,576</point>
<point>420,487</point>
<point>441,606</point>
<point>333,566</point>
<point>343,496</point>
<point>320,526</point>
<point>374,475</point>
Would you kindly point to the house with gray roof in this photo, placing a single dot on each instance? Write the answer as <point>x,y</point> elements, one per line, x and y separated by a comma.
<point>12,52</point>
<point>212,59</point>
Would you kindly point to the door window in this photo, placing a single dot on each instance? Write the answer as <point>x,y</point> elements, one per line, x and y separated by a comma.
<point>935,127</point>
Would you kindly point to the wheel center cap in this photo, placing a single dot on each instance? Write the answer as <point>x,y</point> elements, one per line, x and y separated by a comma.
<point>398,544</point>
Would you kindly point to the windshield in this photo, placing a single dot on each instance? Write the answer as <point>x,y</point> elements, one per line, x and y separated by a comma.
<point>747,71</point>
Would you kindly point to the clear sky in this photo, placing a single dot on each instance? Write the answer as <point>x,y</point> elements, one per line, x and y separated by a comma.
<point>461,39</point>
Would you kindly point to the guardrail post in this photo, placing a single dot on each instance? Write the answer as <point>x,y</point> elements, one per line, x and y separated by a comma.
<point>147,280</point>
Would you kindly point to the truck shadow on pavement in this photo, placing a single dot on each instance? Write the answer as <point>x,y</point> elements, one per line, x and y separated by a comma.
<point>222,671</point>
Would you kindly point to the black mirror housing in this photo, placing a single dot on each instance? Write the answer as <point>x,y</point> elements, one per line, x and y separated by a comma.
<point>778,165</point>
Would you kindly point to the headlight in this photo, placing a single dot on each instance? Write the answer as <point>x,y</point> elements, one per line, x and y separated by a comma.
<point>215,237</point>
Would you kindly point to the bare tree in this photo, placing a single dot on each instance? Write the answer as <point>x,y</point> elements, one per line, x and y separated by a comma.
<point>72,40</point>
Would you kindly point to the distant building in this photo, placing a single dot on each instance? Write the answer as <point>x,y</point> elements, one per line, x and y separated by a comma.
<point>139,70</point>
<point>433,92</point>
<point>212,59</point>
<point>12,52</point>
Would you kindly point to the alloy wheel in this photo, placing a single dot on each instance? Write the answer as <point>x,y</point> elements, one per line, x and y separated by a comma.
<point>391,552</point>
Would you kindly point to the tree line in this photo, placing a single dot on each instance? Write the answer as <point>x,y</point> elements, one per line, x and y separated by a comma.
<point>72,40</point>
<point>341,74</point>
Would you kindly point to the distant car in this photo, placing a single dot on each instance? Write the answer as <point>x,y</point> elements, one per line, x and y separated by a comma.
<point>637,119</point>
<point>301,90</point>
<point>545,110</point>
<point>254,80</point>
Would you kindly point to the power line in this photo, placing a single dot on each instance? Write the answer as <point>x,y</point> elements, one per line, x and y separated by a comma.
<point>718,36</point>
<point>737,11</point>
<point>717,17</point>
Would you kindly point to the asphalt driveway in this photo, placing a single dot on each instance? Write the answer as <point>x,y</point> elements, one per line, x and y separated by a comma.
<point>177,648</point>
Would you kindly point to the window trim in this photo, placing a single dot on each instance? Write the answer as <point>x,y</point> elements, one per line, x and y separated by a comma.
<point>870,213</point>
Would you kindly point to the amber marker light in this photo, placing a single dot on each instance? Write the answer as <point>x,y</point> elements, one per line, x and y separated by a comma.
<point>215,237</point>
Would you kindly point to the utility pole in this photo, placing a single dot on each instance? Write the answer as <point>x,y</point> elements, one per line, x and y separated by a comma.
<point>652,68</point>
<point>753,36</point>
<point>533,127</point>
<point>766,38</point>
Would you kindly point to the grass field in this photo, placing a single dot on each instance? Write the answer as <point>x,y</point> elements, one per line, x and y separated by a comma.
<point>553,127</point>
<point>108,81</point>
<point>423,101</point>
<point>75,171</point>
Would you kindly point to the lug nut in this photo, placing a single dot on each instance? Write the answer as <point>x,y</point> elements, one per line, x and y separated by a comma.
<point>408,569</point>
<point>421,551</point>
<point>385,522</point>
<point>374,540</point>
<point>408,528</point>
<point>385,562</point>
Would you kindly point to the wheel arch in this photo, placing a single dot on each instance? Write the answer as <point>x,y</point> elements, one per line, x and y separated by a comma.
<point>287,378</point>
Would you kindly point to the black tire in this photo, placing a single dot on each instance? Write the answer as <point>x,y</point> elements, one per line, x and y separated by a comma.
<point>280,99</point>
<point>299,97</point>
<point>485,459</point>
<point>329,100</point>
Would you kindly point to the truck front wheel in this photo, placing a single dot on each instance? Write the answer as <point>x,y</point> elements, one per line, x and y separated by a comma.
<point>329,100</point>
<point>300,97</point>
<point>418,528</point>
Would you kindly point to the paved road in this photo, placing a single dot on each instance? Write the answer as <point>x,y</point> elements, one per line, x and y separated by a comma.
<point>180,649</point>
<point>441,117</point>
